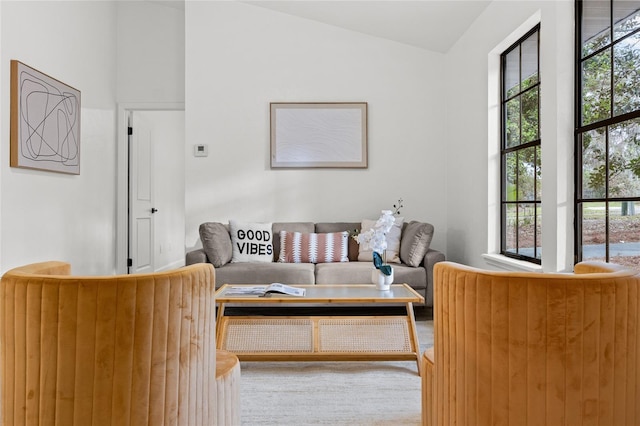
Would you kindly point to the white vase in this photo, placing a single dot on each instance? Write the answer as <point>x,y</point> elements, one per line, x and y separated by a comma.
<point>382,281</point>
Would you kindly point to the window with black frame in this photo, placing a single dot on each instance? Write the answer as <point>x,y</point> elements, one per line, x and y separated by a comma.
<point>521,207</point>
<point>608,131</point>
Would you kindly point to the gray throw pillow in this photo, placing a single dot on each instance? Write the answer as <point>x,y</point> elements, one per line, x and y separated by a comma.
<point>415,241</point>
<point>216,243</point>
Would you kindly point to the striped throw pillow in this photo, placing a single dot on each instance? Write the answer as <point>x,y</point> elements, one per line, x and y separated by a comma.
<point>296,247</point>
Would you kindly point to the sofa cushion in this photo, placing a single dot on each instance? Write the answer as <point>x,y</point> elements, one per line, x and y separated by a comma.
<point>298,247</point>
<point>416,238</point>
<point>304,227</point>
<point>216,243</point>
<point>392,253</point>
<point>265,273</point>
<point>350,227</point>
<point>251,241</point>
<point>416,277</point>
<point>344,273</point>
<point>360,273</point>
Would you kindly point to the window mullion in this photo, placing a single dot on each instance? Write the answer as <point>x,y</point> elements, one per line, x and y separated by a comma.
<point>517,225</point>
<point>606,189</point>
<point>520,118</point>
<point>535,200</point>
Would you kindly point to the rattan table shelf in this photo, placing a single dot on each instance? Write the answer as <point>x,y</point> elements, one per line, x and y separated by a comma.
<point>314,338</point>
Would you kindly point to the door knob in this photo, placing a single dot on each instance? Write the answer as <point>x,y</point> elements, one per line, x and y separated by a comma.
<point>153,210</point>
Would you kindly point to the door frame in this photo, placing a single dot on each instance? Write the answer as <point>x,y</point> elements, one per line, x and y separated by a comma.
<point>122,175</point>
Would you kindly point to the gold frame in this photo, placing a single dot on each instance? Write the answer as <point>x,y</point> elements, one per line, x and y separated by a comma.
<point>318,135</point>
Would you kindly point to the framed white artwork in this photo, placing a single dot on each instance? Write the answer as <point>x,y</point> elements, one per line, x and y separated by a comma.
<point>45,122</point>
<point>319,134</point>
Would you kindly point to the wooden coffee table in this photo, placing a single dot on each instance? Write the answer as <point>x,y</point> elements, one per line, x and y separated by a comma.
<point>313,338</point>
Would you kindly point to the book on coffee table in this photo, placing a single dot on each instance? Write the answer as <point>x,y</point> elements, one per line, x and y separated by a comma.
<point>265,290</point>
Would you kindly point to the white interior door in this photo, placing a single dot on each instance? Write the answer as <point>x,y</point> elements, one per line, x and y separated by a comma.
<point>156,191</point>
<point>141,190</point>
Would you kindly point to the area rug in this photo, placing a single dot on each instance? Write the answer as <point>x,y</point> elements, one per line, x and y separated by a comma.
<point>333,393</point>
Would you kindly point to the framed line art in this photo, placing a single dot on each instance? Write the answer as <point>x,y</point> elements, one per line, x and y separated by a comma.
<point>45,122</point>
<point>319,134</point>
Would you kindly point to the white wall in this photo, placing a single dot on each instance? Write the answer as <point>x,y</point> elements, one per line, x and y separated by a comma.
<point>239,58</point>
<point>46,215</point>
<point>3,159</point>
<point>151,71</point>
<point>150,52</point>
<point>471,207</point>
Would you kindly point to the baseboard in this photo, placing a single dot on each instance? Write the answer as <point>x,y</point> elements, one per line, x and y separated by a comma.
<point>174,265</point>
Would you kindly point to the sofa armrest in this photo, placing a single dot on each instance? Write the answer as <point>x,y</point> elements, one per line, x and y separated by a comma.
<point>430,259</point>
<point>196,256</point>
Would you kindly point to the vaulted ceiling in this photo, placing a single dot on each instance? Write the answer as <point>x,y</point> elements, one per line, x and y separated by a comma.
<point>429,24</point>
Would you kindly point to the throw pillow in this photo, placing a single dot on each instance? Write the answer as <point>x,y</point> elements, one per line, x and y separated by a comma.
<point>251,242</point>
<point>296,247</point>
<point>415,242</point>
<point>350,227</point>
<point>216,243</point>
<point>393,242</point>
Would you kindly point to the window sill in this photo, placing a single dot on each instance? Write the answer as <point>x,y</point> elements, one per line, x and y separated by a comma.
<point>509,264</point>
